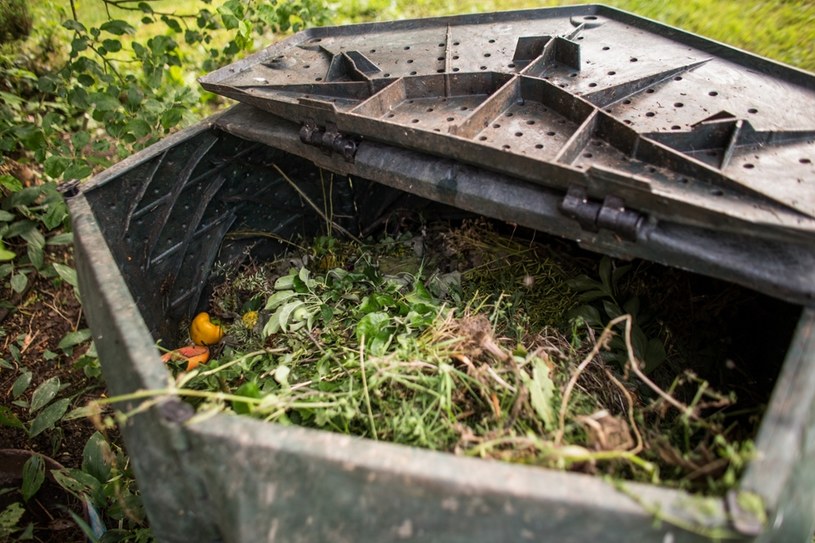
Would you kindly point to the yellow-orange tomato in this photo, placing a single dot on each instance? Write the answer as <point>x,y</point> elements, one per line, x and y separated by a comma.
<point>193,354</point>
<point>205,332</point>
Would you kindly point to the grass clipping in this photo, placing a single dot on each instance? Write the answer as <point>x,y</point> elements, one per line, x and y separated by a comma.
<point>468,341</point>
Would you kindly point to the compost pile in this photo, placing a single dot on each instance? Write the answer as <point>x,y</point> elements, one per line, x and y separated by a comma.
<point>477,339</point>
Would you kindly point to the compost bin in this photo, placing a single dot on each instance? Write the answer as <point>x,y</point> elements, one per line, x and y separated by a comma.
<point>631,138</point>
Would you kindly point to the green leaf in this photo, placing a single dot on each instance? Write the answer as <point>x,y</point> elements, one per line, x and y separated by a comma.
<point>612,310</point>
<point>10,519</point>
<point>6,216</point>
<point>77,170</point>
<point>48,417</point>
<point>249,389</point>
<point>67,273</point>
<point>8,418</point>
<point>21,384</point>
<point>112,46</point>
<point>35,256</point>
<point>72,339</point>
<point>285,312</point>
<point>375,329</point>
<point>33,476</point>
<point>117,27</point>
<point>55,165</point>
<point>19,282</point>
<point>589,314</point>
<point>104,102</point>
<point>95,458</point>
<point>44,394</point>
<point>80,484</point>
<point>64,238</point>
<point>71,24</point>
<point>5,254</point>
<point>541,392</point>
<point>279,298</point>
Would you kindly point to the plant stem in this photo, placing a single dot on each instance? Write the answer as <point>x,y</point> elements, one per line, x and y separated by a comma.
<point>365,387</point>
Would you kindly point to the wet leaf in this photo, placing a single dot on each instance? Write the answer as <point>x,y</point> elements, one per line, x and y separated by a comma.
<point>48,417</point>
<point>44,393</point>
<point>33,476</point>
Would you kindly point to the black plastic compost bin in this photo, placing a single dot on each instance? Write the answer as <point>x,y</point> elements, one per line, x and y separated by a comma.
<point>632,138</point>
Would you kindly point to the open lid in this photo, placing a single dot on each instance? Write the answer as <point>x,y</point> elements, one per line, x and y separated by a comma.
<point>634,121</point>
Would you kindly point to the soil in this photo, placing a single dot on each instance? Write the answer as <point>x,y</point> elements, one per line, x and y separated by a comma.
<point>39,320</point>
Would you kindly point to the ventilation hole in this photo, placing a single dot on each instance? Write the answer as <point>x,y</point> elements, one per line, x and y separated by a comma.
<point>633,59</point>
<point>505,146</point>
<point>455,69</point>
<point>650,91</point>
<point>386,75</point>
<point>651,169</point>
<point>713,93</point>
<point>612,72</point>
<point>455,57</point>
<point>373,50</point>
<point>683,180</point>
<point>510,114</point>
<point>679,104</point>
<point>590,17</point>
<point>592,85</point>
<point>463,108</point>
<point>429,109</point>
<point>316,40</point>
<point>805,161</point>
<point>482,138</point>
<point>626,102</point>
<point>650,114</point>
<point>492,41</point>
<point>626,121</point>
<point>436,130</point>
<point>441,45</point>
<point>439,58</point>
<point>410,61</point>
<point>676,127</point>
<point>496,125</point>
<point>483,67</point>
<point>415,121</point>
<point>440,71</point>
<point>512,65</point>
<point>606,48</point>
<point>550,133</point>
<point>572,74</point>
<point>456,43</point>
<point>487,55</point>
<point>391,115</point>
<point>307,66</point>
<point>539,146</point>
<point>518,134</point>
<point>678,78</point>
<point>752,110</point>
<point>581,37</point>
<point>530,122</point>
<point>717,192</point>
<point>318,79</point>
<point>450,119</point>
<point>410,101</point>
<point>587,155</point>
<point>749,166</point>
<point>407,47</point>
<point>562,85</point>
<point>413,73</point>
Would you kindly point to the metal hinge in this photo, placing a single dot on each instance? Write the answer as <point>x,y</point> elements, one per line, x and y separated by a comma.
<point>610,214</point>
<point>329,140</point>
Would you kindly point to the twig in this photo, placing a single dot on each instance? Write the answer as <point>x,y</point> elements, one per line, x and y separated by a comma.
<point>313,206</point>
<point>640,444</point>
<point>644,378</point>
<point>567,393</point>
